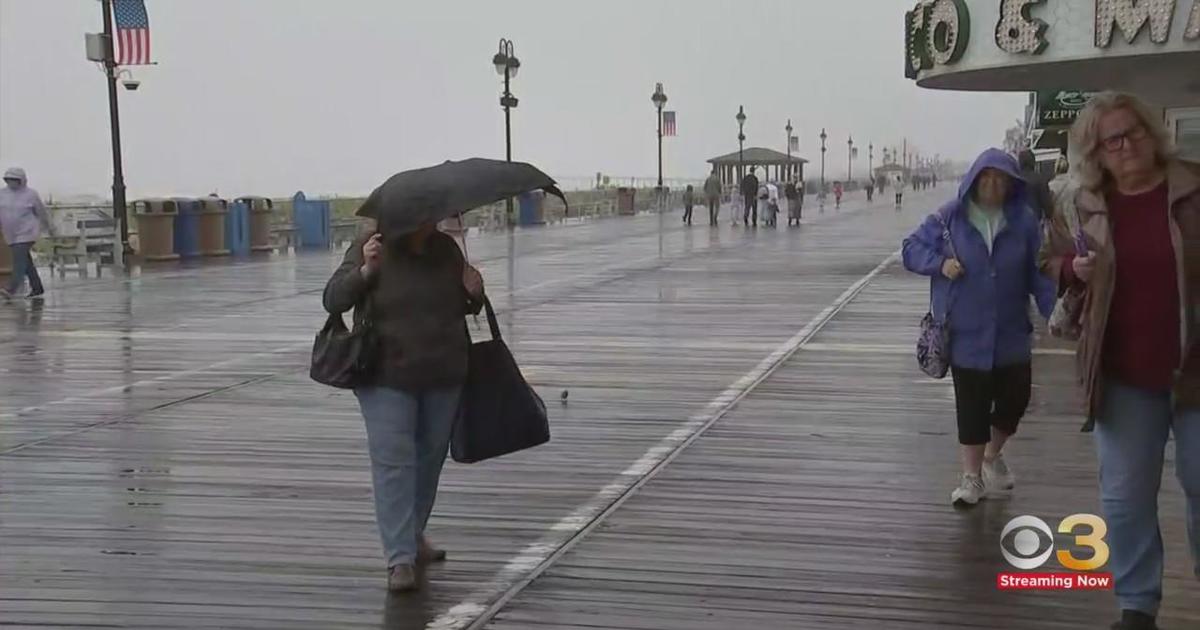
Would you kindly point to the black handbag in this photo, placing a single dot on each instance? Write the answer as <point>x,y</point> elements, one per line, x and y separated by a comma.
<point>344,358</point>
<point>500,412</point>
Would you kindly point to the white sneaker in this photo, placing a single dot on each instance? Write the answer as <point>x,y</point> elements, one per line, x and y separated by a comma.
<point>969,491</point>
<point>997,475</point>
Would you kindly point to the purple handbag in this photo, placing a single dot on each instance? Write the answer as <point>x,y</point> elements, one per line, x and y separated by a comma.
<point>933,346</point>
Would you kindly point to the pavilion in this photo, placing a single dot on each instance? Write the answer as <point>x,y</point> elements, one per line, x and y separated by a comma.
<point>785,168</point>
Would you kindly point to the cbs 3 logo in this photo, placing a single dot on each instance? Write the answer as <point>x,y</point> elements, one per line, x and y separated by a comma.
<point>1027,542</point>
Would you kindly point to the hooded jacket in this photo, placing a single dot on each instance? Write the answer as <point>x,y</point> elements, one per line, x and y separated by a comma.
<point>22,213</point>
<point>988,307</point>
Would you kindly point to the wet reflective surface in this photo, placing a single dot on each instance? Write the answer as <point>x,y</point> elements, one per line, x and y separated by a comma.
<point>166,463</point>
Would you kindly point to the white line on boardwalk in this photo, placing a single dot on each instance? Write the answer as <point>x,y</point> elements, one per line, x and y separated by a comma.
<point>479,607</point>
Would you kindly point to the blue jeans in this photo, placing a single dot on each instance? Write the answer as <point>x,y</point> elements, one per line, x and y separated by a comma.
<point>1131,436</point>
<point>22,256</point>
<point>408,434</point>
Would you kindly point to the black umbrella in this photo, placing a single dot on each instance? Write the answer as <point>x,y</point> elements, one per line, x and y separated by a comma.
<point>429,195</point>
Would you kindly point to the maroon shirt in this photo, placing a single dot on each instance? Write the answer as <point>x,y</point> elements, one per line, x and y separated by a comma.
<point>1142,343</point>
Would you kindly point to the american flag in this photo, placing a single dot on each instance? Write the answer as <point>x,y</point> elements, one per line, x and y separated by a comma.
<point>133,32</point>
<point>668,123</point>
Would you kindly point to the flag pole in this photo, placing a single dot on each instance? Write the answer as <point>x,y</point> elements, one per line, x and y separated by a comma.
<point>118,185</point>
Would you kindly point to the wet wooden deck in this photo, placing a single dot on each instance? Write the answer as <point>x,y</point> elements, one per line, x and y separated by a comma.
<point>165,463</point>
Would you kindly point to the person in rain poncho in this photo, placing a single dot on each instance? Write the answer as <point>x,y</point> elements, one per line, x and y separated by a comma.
<point>23,217</point>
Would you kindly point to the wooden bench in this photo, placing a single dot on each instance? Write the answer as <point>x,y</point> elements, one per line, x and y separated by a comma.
<point>344,231</point>
<point>285,237</point>
<point>96,242</point>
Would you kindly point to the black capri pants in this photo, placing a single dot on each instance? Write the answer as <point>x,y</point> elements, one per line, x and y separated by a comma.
<point>990,398</point>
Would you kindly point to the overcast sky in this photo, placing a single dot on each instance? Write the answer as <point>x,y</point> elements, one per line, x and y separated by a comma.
<point>274,96</point>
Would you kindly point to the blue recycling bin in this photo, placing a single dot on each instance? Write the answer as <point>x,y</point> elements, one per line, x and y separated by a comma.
<point>187,227</point>
<point>312,221</point>
<point>531,208</point>
<point>237,229</point>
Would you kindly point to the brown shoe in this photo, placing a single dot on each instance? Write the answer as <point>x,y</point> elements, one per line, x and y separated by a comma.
<point>402,578</point>
<point>427,553</point>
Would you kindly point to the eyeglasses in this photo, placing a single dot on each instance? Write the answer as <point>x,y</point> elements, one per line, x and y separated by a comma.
<point>1117,141</point>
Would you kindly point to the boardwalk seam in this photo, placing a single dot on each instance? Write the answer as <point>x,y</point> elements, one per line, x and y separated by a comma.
<point>481,607</point>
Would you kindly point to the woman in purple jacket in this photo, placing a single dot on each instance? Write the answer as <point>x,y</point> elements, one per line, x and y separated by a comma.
<point>981,281</point>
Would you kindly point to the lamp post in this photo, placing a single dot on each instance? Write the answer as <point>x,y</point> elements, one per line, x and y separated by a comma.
<point>741,120</point>
<point>824,137</point>
<point>507,65</point>
<point>659,98</point>
<point>849,160</point>
<point>871,161</point>
<point>120,213</point>
<point>788,129</point>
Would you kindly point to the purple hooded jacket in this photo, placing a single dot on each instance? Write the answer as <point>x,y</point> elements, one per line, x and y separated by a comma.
<point>22,213</point>
<point>988,307</point>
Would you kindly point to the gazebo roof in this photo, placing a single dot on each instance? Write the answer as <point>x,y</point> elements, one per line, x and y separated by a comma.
<point>758,155</point>
<point>887,168</point>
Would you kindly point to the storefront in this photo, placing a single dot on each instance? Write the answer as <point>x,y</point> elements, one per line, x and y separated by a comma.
<point>1064,49</point>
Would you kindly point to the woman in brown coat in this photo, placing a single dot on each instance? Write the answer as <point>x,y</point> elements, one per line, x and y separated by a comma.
<point>1138,357</point>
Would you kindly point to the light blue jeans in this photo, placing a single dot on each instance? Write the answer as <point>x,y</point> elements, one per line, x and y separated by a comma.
<point>1131,436</point>
<point>408,434</point>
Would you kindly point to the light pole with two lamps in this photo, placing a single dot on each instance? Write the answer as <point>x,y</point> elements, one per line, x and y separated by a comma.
<point>659,98</point>
<point>741,120</point>
<point>507,65</point>
<point>824,137</point>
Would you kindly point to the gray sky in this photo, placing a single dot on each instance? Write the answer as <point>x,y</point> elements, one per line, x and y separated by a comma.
<point>274,96</point>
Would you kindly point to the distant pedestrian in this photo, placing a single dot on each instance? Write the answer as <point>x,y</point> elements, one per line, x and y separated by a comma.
<point>837,194</point>
<point>1139,352</point>
<point>899,191</point>
<point>770,218</point>
<point>689,201</point>
<point>712,194</point>
<point>415,288</point>
<point>750,196</point>
<point>23,216</point>
<point>982,277</point>
<point>791,192</point>
<point>870,190</point>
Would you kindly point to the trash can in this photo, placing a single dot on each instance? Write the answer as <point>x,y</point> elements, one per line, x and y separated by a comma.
<point>237,229</point>
<point>532,208</point>
<point>625,201</point>
<point>187,226</point>
<point>156,228</point>
<point>260,222</point>
<point>213,211</point>
<point>5,259</point>
<point>312,221</point>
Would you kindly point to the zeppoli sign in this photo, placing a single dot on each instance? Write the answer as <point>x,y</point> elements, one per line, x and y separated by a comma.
<point>938,32</point>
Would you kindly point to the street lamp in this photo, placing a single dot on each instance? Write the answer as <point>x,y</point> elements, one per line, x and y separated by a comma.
<point>849,160</point>
<point>507,65</point>
<point>788,129</point>
<point>659,98</point>
<point>824,136</point>
<point>741,118</point>
<point>871,161</point>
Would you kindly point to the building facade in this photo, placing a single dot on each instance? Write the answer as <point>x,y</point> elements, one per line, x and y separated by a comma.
<point>1064,49</point>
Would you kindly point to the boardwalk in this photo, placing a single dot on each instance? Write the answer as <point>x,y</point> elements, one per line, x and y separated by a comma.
<point>746,445</point>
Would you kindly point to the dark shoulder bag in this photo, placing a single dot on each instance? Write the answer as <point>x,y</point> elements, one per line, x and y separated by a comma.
<point>343,358</point>
<point>500,413</point>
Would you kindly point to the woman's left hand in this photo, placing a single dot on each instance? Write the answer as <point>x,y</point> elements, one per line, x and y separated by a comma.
<point>473,281</point>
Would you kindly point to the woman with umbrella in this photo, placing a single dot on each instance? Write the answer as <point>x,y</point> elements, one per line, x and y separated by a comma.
<point>414,287</point>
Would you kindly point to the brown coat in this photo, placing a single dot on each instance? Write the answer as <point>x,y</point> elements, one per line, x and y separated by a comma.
<point>1183,182</point>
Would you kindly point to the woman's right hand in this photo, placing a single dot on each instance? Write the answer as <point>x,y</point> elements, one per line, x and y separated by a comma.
<point>952,269</point>
<point>372,254</point>
<point>1084,267</point>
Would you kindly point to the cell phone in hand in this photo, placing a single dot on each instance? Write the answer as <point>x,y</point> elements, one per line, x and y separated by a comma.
<point>1081,246</point>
